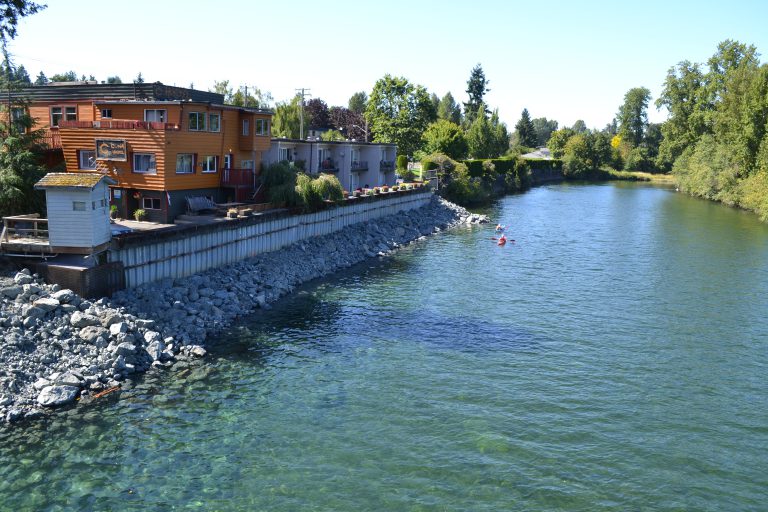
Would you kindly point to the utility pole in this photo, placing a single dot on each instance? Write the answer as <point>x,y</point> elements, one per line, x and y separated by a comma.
<point>304,93</point>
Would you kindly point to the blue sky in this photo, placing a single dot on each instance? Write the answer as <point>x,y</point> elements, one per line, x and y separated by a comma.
<point>564,60</point>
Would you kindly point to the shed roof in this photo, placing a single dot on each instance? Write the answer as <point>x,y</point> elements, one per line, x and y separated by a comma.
<point>73,180</point>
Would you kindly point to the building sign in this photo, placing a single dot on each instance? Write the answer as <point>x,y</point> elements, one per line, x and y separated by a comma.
<point>111,149</point>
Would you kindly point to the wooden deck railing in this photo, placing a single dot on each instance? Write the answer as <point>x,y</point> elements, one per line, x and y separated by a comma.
<point>238,178</point>
<point>24,226</point>
<point>120,125</point>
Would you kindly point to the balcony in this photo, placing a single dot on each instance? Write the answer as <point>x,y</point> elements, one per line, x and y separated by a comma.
<point>52,138</point>
<point>120,125</point>
<point>238,178</point>
<point>387,165</point>
<point>359,166</point>
<point>328,165</point>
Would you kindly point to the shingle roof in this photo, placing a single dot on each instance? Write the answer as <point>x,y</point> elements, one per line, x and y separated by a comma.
<point>73,180</point>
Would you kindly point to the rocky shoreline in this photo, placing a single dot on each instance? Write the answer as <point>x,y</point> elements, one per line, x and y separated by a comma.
<point>57,347</point>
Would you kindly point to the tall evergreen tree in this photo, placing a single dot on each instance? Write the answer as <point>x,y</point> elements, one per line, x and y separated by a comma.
<point>544,128</point>
<point>449,110</point>
<point>477,86</point>
<point>526,133</point>
<point>633,115</point>
<point>358,102</point>
<point>41,79</point>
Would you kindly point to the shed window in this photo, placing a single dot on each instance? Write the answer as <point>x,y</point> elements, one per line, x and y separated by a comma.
<point>197,121</point>
<point>214,122</point>
<point>86,159</point>
<point>78,206</point>
<point>246,127</point>
<point>144,163</point>
<point>150,203</point>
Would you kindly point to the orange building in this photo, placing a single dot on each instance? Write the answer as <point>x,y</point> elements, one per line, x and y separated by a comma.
<point>160,144</point>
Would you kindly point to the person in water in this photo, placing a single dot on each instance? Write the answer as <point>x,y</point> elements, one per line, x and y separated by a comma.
<point>499,227</point>
<point>502,240</point>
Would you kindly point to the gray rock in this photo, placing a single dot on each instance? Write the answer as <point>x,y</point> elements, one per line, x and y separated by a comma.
<point>80,319</point>
<point>155,350</point>
<point>145,324</point>
<point>33,312</point>
<point>125,349</point>
<point>110,318</point>
<point>11,291</point>
<point>22,278</point>
<point>92,333</point>
<point>47,304</point>
<point>151,336</point>
<point>197,351</point>
<point>63,296</point>
<point>118,328</point>
<point>52,396</point>
<point>68,379</point>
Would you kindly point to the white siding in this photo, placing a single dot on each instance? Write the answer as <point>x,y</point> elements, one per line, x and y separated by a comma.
<point>67,227</point>
<point>100,216</point>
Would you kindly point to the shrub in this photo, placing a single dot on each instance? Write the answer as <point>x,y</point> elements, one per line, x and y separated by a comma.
<point>139,214</point>
<point>113,211</point>
<point>401,162</point>
<point>279,179</point>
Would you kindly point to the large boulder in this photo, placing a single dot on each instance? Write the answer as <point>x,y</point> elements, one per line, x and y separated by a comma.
<point>80,319</point>
<point>63,296</point>
<point>52,396</point>
<point>46,303</point>
<point>12,291</point>
<point>91,333</point>
<point>23,278</point>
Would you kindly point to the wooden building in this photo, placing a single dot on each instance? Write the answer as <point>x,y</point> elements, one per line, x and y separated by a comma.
<point>160,144</point>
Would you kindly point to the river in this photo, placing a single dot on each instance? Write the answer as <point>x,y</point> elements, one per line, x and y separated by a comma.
<point>613,357</point>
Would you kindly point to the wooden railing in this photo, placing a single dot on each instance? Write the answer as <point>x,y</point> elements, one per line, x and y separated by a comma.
<point>24,226</point>
<point>52,138</point>
<point>120,125</point>
<point>238,178</point>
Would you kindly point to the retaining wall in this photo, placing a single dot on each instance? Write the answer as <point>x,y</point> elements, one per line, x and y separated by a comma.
<point>148,257</point>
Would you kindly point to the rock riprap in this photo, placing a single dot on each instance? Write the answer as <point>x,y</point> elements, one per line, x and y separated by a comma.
<point>57,346</point>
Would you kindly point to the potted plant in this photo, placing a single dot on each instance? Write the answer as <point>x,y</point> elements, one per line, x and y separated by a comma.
<point>140,215</point>
<point>385,188</point>
<point>113,211</point>
<point>357,193</point>
<point>376,190</point>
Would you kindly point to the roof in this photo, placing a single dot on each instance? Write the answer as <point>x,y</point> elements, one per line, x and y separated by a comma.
<point>338,142</point>
<point>541,153</point>
<point>93,91</point>
<point>73,180</point>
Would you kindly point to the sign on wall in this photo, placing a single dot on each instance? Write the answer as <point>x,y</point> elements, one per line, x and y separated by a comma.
<point>111,149</point>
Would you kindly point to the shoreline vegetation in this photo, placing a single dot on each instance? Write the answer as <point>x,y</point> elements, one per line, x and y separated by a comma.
<point>59,348</point>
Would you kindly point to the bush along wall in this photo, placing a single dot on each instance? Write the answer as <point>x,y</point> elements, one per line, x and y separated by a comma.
<point>472,182</point>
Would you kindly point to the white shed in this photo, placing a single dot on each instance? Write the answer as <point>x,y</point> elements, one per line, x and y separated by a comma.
<point>78,209</point>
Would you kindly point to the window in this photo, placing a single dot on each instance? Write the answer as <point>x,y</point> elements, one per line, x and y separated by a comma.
<point>214,122</point>
<point>285,154</point>
<point>17,117</point>
<point>210,163</point>
<point>153,115</point>
<point>185,163</point>
<point>228,161</point>
<point>78,206</point>
<point>150,203</point>
<point>246,127</point>
<point>144,163</point>
<point>59,114</point>
<point>262,127</point>
<point>197,121</point>
<point>106,113</point>
<point>247,164</point>
<point>86,159</point>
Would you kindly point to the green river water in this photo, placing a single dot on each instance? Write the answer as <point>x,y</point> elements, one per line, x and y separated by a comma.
<point>614,357</point>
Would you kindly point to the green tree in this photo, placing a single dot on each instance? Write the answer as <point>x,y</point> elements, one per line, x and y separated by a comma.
<point>398,112</point>
<point>287,119</point>
<point>69,76</point>
<point>477,86</point>
<point>445,137</point>
<point>358,102</point>
<point>558,140</point>
<point>114,80</point>
<point>140,79</point>
<point>487,138</point>
<point>332,135</point>
<point>526,132</point>
<point>633,115</point>
<point>579,126</point>
<point>247,96</point>
<point>11,11</point>
<point>449,110</point>
<point>544,129</point>
<point>41,79</point>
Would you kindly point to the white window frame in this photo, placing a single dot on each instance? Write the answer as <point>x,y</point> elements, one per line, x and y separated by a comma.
<point>163,115</point>
<point>246,127</point>
<point>228,161</point>
<point>199,116</point>
<point>83,159</point>
<point>151,169</point>
<point>206,162</point>
<point>191,163</point>
<point>65,113</point>
<point>106,113</point>
<point>152,201</point>
<point>287,152</point>
<point>262,127</point>
<point>218,122</point>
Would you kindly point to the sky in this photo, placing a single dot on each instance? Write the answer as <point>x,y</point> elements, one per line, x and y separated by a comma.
<point>563,60</point>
